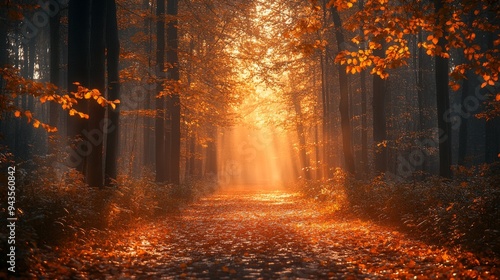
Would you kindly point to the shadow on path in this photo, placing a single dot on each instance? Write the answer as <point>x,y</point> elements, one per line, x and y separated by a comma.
<point>262,234</point>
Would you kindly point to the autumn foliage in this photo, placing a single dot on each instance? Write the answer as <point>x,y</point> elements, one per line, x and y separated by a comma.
<point>15,86</point>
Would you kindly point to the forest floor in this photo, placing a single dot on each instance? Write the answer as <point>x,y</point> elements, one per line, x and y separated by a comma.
<point>259,234</point>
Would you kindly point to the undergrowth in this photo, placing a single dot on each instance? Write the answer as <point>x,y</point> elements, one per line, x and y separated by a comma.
<point>462,212</point>
<point>55,206</point>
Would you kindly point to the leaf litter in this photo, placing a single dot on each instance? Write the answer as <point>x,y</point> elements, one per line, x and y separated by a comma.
<point>259,235</point>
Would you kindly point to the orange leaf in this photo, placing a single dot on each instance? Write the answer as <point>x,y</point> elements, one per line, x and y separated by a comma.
<point>18,113</point>
<point>497,98</point>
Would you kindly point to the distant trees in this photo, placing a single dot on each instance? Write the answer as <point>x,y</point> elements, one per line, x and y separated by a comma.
<point>440,29</point>
<point>32,55</point>
<point>186,66</point>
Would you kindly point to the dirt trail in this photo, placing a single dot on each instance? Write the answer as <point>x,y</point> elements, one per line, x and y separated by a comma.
<point>262,235</point>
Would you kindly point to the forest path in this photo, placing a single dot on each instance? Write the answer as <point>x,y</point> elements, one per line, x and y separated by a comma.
<point>266,234</point>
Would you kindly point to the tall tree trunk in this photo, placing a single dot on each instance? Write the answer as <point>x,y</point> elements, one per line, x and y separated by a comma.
<point>421,91</point>
<point>345,121</point>
<point>364,115</point>
<point>148,154</point>
<point>492,133</point>
<point>463,132</point>
<point>326,104</point>
<point>78,71</point>
<point>364,125</point>
<point>301,135</point>
<point>173,104</point>
<point>211,156</point>
<point>4,54</point>
<point>54,72</point>
<point>379,121</point>
<point>95,171</point>
<point>161,170</point>
<point>113,56</point>
<point>443,105</point>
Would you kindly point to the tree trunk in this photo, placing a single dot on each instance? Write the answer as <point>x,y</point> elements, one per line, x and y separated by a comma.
<point>443,106</point>
<point>78,71</point>
<point>4,54</point>
<point>54,73</point>
<point>211,156</point>
<point>174,106</point>
<point>113,56</point>
<point>301,134</point>
<point>492,133</point>
<point>326,105</point>
<point>379,121</point>
<point>345,121</point>
<point>95,171</point>
<point>161,170</point>
<point>463,132</point>
<point>148,148</point>
<point>364,115</point>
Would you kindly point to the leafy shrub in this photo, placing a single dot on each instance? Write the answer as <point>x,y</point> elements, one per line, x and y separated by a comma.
<point>55,205</point>
<point>460,212</point>
<point>331,190</point>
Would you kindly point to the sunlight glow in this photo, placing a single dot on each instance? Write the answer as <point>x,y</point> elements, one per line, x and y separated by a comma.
<point>257,151</point>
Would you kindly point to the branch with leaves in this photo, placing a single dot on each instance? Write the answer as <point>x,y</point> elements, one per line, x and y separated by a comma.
<point>15,86</point>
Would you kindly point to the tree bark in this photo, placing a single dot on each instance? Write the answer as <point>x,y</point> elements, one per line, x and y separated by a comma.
<point>160,163</point>
<point>345,121</point>
<point>95,171</point>
<point>113,56</point>
<point>443,105</point>
<point>173,102</point>
<point>379,120</point>
<point>78,71</point>
<point>54,71</point>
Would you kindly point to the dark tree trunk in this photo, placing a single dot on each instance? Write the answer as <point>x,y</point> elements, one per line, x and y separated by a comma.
<point>421,91</point>
<point>301,134</point>
<point>4,54</point>
<point>492,140</point>
<point>364,116</point>
<point>95,171</point>
<point>78,71</point>
<point>463,132</point>
<point>443,105</point>
<point>326,104</point>
<point>113,56</point>
<point>148,148</point>
<point>161,170</point>
<point>54,72</point>
<point>364,125</point>
<point>344,99</point>
<point>173,104</point>
<point>211,166</point>
<point>492,133</point>
<point>379,121</point>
